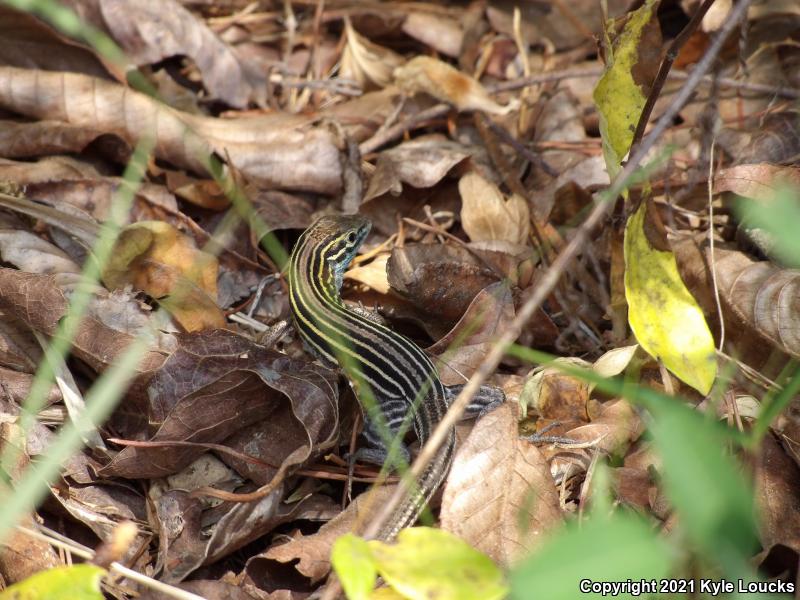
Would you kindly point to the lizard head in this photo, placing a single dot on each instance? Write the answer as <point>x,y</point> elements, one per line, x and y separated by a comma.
<point>337,238</point>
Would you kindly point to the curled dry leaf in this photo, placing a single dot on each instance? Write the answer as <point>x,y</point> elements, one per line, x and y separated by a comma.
<point>39,302</point>
<point>423,162</point>
<point>440,280</point>
<point>500,496</point>
<point>762,295</point>
<point>487,215</point>
<point>217,383</point>
<point>368,63</point>
<point>448,84</point>
<point>610,433</point>
<point>151,30</point>
<point>274,150</point>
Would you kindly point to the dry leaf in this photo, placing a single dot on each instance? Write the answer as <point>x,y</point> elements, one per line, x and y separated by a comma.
<point>487,215</point>
<point>448,84</point>
<point>372,274</point>
<point>367,63</point>
<point>156,258</point>
<point>500,496</point>
<point>275,150</point>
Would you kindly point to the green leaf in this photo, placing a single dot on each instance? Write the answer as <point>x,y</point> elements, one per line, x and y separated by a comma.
<point>713,500</point>
<point>779,217</point>
<point>430,563</point>
<point>664,316</point>
<point>78,582</point>
<point>613,549</point>
<point>352,560</point>
<point>619,95</point>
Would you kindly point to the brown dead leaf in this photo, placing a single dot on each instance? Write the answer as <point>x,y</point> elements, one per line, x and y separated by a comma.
<point>156,258</point>
<point>151,30</point>
<point>275,150</point>
<point>448,84</point>
<point>610,433</point>
<point>465,347</point>
<point>19,349</point>
<point>759,182</point>
<point>30,42</point>
<point>500,496</point>
<point>28,140</point>
<point>22,555</point>
<point>777,484</point>
<point>486,215</point>
<point>438,31</point>
<point>368,63</point>
<point>280,210</point>
<point>762,295</point>
<point>441,280</point>
<point>423,162</point>
<point>634,487</point>
<point>312,552</point>
<point>217,383</point>
<point>38,301</point>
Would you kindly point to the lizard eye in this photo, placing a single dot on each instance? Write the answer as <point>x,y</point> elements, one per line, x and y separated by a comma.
<point>351,238</point>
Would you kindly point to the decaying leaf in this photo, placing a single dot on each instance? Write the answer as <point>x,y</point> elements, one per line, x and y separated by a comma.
<point>448,84</point>
<point>156,258</point>
<point>614,429</point>
<point>312,552</point>
<point>39,302</point>
<point>217,383</point>
<point>487,215</point>
<point>500,496</point>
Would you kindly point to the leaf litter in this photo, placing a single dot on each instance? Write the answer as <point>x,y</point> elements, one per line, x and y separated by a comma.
<point>475,174</point>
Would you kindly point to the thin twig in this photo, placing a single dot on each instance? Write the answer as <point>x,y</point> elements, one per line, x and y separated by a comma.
<point>388,135</point>
<point>729,82</point>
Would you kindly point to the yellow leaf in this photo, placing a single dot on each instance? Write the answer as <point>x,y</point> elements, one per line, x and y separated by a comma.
<point>618,95</point>
<point>77,582</point>
<point>432,563</point>
<point>353,563</point>
<point>664,316</point>
<point>159,260</point>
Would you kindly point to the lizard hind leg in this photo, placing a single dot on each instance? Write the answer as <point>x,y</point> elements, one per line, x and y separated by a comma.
<point>486,399</point>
